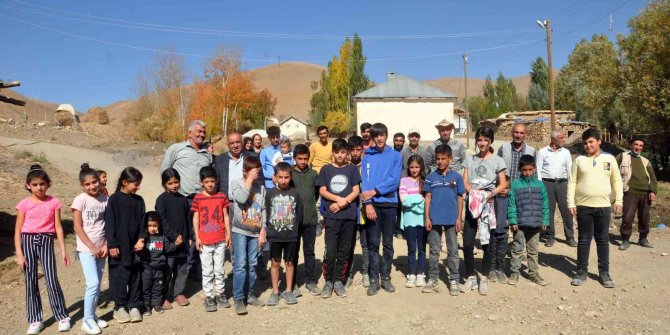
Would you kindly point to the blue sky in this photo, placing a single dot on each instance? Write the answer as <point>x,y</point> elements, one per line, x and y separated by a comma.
<point>68,66</point>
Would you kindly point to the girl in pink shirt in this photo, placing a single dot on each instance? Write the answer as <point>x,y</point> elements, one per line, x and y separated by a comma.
<point>37,223</point>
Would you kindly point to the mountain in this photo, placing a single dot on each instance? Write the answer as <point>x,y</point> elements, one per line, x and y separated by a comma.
<point>34,110</point>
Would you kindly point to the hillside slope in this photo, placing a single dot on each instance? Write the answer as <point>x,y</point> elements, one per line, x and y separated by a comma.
<point>34,110</point>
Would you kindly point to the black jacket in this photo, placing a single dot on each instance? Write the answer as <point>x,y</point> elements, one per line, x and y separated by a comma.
<point>155,249</point>
<point>124,222</point>
<point>174,211</point>
<point>221,167</point>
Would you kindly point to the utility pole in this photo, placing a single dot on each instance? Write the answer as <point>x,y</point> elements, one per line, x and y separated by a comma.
<point>546,25</point>
<point>465,102</point>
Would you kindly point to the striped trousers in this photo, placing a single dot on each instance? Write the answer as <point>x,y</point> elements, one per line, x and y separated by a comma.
<point>40,247</point>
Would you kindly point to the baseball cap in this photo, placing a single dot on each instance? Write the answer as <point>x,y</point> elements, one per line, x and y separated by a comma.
<point>444,123</point>
<point>414,131</point>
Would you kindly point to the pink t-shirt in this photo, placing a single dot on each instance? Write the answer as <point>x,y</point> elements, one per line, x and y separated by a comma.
<point>40,217</point>
<point>93,218</point>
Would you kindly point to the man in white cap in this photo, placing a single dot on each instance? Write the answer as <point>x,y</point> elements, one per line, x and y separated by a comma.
<point>414,149</point>
<point>445,127</point>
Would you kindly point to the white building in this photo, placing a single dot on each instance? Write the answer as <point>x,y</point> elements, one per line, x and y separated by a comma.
<point>403,103</point>
<point>294,128</point>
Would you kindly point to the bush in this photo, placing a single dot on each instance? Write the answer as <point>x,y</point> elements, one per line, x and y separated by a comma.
<point>27,155</point>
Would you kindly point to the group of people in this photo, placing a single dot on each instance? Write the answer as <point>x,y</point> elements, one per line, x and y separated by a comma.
<point>359,190</point>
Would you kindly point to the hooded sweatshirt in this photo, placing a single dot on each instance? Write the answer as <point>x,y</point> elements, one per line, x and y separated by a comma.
<point>381,172</point>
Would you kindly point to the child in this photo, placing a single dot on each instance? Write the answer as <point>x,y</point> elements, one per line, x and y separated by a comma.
<point>211,227</point>
<point>339,188</point>
<point>88,211</point>
<point>284,154</point>
<point>443,212</point>
<point>173,209</point>
<point>355,144</point>
<point>412,221</point>
<point>102,176</point>
<point>499,239</point>
<point>283,206</point>
<point>591,182</point>
<point>156,246</point>
<point>37,221</point>
<point>124,222</point>
<point>248,194</point>
<point>304,180</point>
<point>528,213</point>
<point>483,171</point>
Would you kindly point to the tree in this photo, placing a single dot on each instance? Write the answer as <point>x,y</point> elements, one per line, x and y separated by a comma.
<point>538,92</point>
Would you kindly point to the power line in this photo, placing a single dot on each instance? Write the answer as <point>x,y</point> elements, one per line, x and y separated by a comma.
<point>606,15</point>
<point>218,32</point>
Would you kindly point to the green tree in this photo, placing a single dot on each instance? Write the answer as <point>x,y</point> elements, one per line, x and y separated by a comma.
<point>538,92</point>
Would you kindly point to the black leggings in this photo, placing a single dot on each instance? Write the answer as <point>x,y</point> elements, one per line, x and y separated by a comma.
<point>469,233</point>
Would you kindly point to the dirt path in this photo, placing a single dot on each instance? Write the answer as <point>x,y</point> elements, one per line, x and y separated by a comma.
<point>69,159</point>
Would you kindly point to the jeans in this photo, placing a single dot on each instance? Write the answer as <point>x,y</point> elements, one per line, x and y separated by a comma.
<point>434,237</point>
<point>376,231</point>
<point>558,194</point>
<point>176,277</point>
<point>245,256</point>
<point>469,233</point>
<point>635,203</point>
<point>530,238</point>
<point>498,246</point>
<point>92,268</point>
<point>212,257</point>
<point>308,236</point>
<point>338,245</point>
<point>416,249</point>
<point>593,223</point>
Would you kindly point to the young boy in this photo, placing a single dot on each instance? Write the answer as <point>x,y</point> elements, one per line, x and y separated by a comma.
<point>356,149</point>
<point>498,242</point>
<point>154,261</point>
<point>443,212</point>
<point>528,214</point>
<point>304,180</point>
<point>211,226</point>
<point>284,208</point>
<point>339,188</point>
<point>592,180</point>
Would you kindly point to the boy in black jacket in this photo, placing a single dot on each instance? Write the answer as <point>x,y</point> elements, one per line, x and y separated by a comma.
<point>156,245</point>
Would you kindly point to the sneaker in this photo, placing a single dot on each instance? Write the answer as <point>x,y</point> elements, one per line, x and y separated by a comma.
<point>513,279</point>
<point>454,288</point>
<point>210,304</point>
<point>254,301</point>
<point>624,245</point>
<point>64,325</point>
<point>240,309</point>
<point>388,286</point>
<point>290,298</point>
<point>579,278</point>
<point>571,242</point>
<point>373,288</point>
<point>502,278</point>
<point>121,315</point>
<point>273,300</point>
<point>365,281</point>
<point>312,288</point>
<point>550,242</point>
<point>431,286</point>
<point>605,280</point>
<point>181,300</point>
<point>222,301</point>
<point>147,312</point>
<point>159,310</point>
<point>35,328</point>
<point>493,276</point>
<point>484,286</point>
<point>166,305</point>
<point>102,323</point>
<point>470,284</point>
<point>90,327</point>
<point>296,291</point>
<point>644,242</point>
<point>350,281</point>
<point>327,290</point>
<point>538,280</point>
<point>411,281</point>
<point>339,289</point>
<point>420,281</point>
<point>135,315</point>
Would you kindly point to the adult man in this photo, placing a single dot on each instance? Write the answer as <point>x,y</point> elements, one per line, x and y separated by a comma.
<point>554,164</point>
<point>517,148</point>
<point>398,141</point>
<point>639,186</point>
<point>189,157</point>
<point>321,152</point>
<point>414,149</point>
<point>445,128</point>
<point>268,153</point>
<point>229,165</point>
<point>365,134</point>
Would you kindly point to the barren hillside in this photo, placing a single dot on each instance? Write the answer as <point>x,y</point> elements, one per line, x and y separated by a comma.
<point>34,110</point>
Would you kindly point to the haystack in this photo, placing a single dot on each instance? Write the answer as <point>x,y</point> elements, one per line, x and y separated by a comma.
<point>65,115</point>
<point>98,115</point>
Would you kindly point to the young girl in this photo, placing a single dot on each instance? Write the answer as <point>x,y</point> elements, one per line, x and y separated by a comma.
<point>248,145</point>
<point>102,176</point>
<point>124,218</point>
<point>482,172</point>
<point>173,209</point>
<point>285,153</point>
<point>88,210</point>
<point>37,222</point>
<point>257,142</point>
<point>411,197</point>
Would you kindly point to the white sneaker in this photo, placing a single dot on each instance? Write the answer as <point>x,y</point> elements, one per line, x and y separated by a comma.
<point>90,327</point>
<point>101,323</point>
<point>35,328</point>
<point>420,281</point>
<point>470,284</point>
<point>411,281</point>
<point>484,285</point>
<point>64,325</point>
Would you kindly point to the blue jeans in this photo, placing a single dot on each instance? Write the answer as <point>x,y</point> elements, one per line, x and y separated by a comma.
<point>92,268</point>
<point>416,244</point>
<point>376,231</point>
<point>245,255</point>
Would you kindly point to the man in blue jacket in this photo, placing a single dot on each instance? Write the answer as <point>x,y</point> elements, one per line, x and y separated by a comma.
<point>268,154</point>
<point>380,178</point>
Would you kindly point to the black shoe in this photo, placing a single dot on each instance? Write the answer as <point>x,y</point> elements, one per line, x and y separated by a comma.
<point>388,286</point>
<point>373,288</point>
<point>550,242</point>
<point>644,242</point>
<point>222,301</point>
<point>210,304</point>
<point>605,280</point>
<point>571,242</point>
<point>624,245</point>
<point>579,278</point>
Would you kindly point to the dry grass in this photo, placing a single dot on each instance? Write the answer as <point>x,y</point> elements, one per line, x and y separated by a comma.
<point>27,155</point>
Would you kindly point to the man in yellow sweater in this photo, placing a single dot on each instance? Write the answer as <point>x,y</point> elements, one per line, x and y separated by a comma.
<point>592,179</point>
<point>321,152</point>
